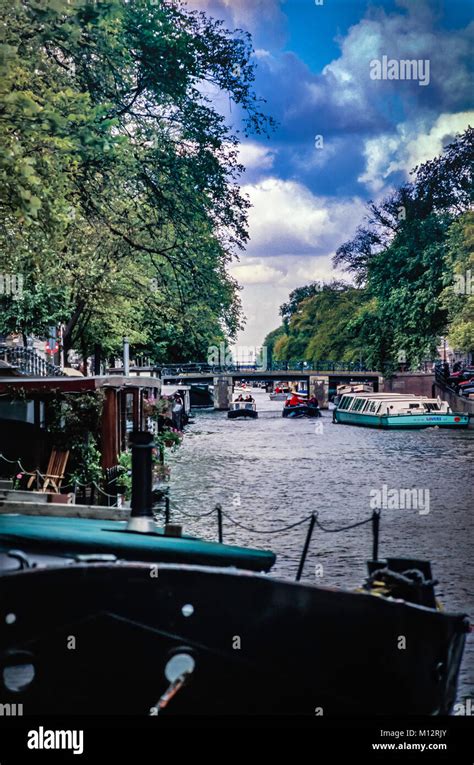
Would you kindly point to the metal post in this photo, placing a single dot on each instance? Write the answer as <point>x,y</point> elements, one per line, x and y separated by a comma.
<point>141,517</point>
<point>126,357</point>
<point>375,533</point>
<point>219,522</point>
<point>167,509</point>
<point>306,547</point>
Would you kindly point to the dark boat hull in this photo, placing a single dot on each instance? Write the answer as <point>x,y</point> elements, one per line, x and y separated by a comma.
<point>301,411</point>
<point>234,414</point>
<point>260,646</point>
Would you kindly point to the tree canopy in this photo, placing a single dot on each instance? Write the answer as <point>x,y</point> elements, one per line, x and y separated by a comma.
<point>407,261</point>
<point>120,204</point>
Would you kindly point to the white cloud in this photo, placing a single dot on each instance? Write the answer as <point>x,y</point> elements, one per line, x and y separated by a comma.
<point>411,145</point>
<point>287,219</point>
<point>293,237</point>
<point>255,156</point>
<point>253,271</point>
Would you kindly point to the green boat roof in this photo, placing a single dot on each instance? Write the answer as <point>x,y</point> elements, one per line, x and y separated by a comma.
<point>78,536</point>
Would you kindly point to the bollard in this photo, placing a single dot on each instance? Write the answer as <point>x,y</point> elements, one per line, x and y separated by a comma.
<point>141,517</point>
<point>167,510</point>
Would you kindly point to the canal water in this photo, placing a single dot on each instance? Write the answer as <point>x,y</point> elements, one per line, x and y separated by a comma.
<point>272,472</point>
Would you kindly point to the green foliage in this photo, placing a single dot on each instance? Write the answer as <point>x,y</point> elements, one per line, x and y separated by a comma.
<point>73,422</point>
<point>119,201</point>
<point>317,327</point>
<point>458,298</point>
<point>404,260</point>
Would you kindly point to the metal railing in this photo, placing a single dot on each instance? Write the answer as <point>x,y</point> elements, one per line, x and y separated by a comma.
<point>173,370</point>
<point>29,363</point>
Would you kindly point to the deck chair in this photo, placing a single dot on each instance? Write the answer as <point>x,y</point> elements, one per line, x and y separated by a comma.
<point>54,473</point>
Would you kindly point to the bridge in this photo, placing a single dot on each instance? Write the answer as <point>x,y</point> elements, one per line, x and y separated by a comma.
<point>320,379</point>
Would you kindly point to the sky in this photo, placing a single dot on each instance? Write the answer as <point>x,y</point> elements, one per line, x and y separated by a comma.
<point>342,137</point>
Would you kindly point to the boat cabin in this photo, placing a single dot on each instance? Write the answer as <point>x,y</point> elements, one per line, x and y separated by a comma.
<point>390,403</point>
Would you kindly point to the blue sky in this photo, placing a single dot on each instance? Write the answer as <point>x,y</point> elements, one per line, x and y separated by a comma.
<point>342,137</point>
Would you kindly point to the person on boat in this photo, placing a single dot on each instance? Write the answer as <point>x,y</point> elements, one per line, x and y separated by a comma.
<point>239,398</point>
<point>277,389</point>
<point>294,400</point>
<point>249,398</point>
<point>313,401</point>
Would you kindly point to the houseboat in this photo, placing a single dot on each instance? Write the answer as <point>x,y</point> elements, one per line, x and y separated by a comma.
<point>396,410</point>
<point>173,605</point>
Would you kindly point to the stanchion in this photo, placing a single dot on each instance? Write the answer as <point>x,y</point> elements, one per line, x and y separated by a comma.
<point>375,532</point>
<point>306,547</point>
<point>219,522</point>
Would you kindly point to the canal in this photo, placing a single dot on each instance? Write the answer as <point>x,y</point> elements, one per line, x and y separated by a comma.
<point>272,472</point>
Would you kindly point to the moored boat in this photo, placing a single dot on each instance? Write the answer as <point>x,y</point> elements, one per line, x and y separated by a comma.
<point>188,644</point>
<point>397,411</point>
<point>175,613</point>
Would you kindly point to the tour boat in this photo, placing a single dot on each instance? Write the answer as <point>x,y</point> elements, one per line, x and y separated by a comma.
<point>242,409</point>
<point>396,410</point>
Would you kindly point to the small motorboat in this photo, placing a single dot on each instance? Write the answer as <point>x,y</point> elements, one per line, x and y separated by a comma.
<point>242,409</point>
<point>281,396</point>
<point>298,405</point>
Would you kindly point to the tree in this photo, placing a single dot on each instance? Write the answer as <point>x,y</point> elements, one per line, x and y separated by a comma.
<point>318,327</point>
<point>458,297</point>
<point>118,173</point>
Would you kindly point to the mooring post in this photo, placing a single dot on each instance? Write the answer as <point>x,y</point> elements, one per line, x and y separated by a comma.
<point>306,547</point>
<point>167,509</point>
<point>375,534</point>
<point>219,521</point>
<point>141,516</point>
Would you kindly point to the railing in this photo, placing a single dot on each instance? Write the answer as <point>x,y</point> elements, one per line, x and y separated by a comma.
<point>175,370</point>
<point>29,363</point>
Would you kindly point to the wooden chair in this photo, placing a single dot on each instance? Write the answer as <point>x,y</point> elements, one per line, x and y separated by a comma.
<point>54,473</point>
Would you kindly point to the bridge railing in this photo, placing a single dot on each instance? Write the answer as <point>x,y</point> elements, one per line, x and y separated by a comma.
<point>174,370</point>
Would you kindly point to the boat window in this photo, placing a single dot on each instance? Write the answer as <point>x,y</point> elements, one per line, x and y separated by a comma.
<point>359,404</point>
<point>344,403</point>
<point>414,406</point>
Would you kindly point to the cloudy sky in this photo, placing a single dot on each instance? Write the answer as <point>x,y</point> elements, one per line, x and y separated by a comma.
<point>342,137</point>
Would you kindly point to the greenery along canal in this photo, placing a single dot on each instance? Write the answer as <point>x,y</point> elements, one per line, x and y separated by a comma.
<point>271,472</point>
